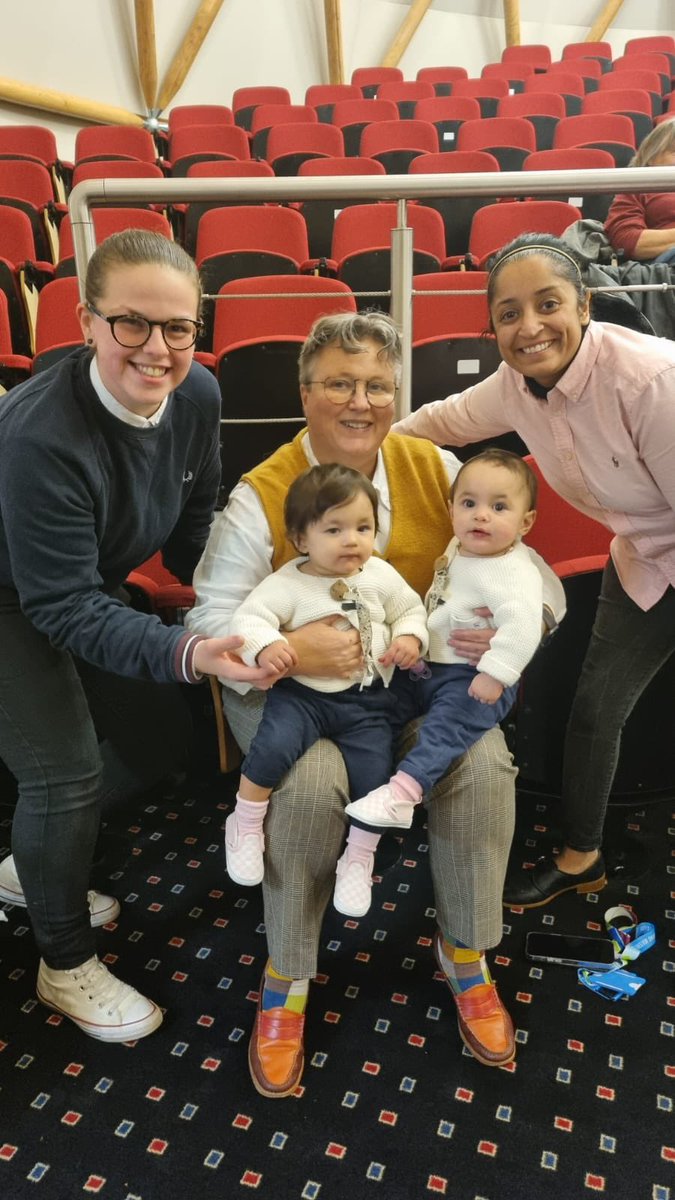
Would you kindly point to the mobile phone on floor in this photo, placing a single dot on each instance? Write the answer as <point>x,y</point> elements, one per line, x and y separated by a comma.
<point>568,950</point>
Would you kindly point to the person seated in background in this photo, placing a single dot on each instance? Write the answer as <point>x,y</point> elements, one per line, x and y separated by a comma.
<point>350,367</point>
<point>331,518</point>
<point>642,224</point>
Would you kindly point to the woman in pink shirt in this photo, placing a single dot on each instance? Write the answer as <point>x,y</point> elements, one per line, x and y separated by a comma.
<point>595,404</point>
<point>642,224</point>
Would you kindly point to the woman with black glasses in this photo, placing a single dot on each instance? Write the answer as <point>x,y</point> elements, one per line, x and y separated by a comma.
<point>106,458</point>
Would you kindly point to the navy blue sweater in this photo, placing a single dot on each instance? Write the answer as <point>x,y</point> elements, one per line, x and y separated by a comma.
<point>85,498</point>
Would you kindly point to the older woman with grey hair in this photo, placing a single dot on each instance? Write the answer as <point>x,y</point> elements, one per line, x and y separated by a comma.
<point>642,224</point>
<point>349,371</point>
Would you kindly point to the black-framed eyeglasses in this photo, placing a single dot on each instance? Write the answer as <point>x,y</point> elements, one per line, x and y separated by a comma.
<point>131,331</point>
<point>340,390</point>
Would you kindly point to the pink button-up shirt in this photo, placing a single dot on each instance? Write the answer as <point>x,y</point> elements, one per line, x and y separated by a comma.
<point>604,439</point>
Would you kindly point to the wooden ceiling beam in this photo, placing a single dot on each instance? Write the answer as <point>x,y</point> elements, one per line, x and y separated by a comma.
<point>604,21</point>
<point>333,20</point>
<point>405,33</point>
<point>26,94</point>
<point>512,22</point>
<point>147,53</point>
<point>186,54</point>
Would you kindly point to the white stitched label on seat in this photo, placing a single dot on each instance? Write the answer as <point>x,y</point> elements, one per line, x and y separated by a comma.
<point>468,366</point>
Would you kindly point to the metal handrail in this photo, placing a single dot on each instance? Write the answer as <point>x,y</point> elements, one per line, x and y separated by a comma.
<point>399,188</point>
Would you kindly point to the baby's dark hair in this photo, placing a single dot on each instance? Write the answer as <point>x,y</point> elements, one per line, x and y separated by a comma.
<point>513,463</point>
<point>329,485</point>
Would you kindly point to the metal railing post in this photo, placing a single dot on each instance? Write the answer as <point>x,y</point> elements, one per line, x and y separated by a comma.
<point>401,302</point>
<point>84,243</point>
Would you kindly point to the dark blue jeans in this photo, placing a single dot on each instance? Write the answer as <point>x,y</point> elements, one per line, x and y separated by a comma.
<point>362,723</point>
<point>627,648</point>
<point>52,712</point>
<point>453,720</point>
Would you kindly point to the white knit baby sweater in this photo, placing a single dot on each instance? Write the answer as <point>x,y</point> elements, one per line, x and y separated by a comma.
<point>510,586</point>
<point>290,598</point>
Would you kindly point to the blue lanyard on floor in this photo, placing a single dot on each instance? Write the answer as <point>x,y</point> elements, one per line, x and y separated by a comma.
<point>631,938</point>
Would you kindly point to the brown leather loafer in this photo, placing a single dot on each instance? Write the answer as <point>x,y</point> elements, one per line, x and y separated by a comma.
<point>276,1052</point>
<point>485,1027</point>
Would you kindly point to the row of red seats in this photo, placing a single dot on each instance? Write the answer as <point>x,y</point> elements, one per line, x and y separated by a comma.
<point>288,135</point>
<point>31,185</point>
<point>457,212</point>
<point>24,185</point>
<point>396,145</point>
<point>361,246</point>
<point>638,93</point>
<point>284,134</point>
<point>366,81</point>
<point>519,69</point>
<point>542,124</point>
<point>256,308</point>
<point>581,76</point>
<point>235,241</point>
<point>259,109</point>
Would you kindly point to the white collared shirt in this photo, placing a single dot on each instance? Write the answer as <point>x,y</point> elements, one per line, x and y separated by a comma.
<point>118,410</point>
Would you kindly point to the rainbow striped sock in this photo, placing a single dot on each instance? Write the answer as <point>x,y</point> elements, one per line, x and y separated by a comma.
<point>280,991</point>
<point>463,967</point>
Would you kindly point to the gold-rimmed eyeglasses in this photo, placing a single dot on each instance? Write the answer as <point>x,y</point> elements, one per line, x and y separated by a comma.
<point>340,390</point>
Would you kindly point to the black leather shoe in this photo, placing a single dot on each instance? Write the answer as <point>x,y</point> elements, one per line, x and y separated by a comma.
<point>532,889</point>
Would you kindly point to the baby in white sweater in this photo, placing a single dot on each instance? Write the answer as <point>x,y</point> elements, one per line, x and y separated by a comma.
<point>331,518</point>
<point>485,568</point>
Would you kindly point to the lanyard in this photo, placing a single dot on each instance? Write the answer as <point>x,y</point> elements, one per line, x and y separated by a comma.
<point>631,938</point>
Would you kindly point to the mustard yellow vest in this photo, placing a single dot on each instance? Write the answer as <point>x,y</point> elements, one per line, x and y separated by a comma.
<point>418,489</point>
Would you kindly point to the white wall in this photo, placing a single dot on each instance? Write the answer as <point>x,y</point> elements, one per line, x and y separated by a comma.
<point>87,48</point>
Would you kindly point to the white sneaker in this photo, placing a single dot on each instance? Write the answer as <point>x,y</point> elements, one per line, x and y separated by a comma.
<point>383,808</point>
<point>101,908</point>
<point>243,854</point>
<point>98,1002</point>
<point>353,886</point>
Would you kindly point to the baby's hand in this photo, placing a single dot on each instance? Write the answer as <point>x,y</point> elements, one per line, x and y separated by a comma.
<point>403,652</point>
<point>278,655</point>
<point>486,689</point>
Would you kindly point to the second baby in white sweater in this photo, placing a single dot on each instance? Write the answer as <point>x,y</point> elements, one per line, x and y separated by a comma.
<point>486,577</point>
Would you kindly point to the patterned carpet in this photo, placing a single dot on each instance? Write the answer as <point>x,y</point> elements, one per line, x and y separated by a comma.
<point>391,1106</point>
